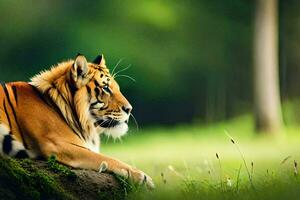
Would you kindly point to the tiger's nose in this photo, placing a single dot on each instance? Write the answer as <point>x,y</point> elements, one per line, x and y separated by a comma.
<point>127,108</point>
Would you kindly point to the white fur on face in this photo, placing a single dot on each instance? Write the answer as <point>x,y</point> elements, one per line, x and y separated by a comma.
<point>117,131</point>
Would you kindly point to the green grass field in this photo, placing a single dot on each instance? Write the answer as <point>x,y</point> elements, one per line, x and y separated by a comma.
<point>183,163</point>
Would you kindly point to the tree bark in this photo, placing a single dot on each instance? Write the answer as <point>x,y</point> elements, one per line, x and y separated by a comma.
<point>268,117</point>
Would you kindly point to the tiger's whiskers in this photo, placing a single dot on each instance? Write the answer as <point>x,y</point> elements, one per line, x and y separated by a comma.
<point>121,70</point>
<point>112,72</point>
<point>122,75</point>
<point>136,123</point>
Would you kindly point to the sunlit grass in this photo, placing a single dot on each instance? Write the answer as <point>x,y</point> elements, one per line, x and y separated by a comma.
<point>182,160</point>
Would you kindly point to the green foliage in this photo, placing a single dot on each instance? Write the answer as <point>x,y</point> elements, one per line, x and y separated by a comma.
<point>176,46</point>
<point>195,56</point>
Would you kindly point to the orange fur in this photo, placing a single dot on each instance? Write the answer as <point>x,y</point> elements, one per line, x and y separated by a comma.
<point>63,111</point>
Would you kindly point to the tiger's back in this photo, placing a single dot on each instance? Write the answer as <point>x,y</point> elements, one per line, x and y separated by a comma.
<point>23,109</point>
<point>12,141</point>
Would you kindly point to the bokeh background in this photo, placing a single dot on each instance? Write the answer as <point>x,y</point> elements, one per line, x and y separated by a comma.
<point>193,62</point>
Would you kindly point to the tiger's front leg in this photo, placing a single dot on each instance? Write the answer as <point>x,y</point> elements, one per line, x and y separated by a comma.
<point>80,157</point>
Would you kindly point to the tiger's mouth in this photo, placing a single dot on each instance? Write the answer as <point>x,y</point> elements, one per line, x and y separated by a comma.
<point>107,123</point>
<point>114,128</point>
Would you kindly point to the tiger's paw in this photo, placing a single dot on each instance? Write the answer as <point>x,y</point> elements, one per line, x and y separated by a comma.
<point>139,177</point>
<point>132,174</point>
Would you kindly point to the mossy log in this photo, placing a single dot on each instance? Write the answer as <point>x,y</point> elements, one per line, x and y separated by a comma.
<point>37,179</point>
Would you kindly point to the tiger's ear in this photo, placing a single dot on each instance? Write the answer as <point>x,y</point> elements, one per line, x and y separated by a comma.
<point>79,70</point>
<point>99,60</point>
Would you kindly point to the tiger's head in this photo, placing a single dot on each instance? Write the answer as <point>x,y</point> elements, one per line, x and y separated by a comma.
<point>108,107</point>
<point>87,95</point>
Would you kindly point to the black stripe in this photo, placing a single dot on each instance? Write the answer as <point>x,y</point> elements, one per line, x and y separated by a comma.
<point>54,105</point>
<point>7,116</point>
<point>4,105</point>
<point>104,108</point>
<point>96,83</point>
<point>14,88</point>
<point>73,89</point>
<point>96,102</point>
<point>3,86</point>
<point>7,144</point>
<point>79,146</point>
<point>97,91</point>
<point>47,99</point>
<point>88,89</point>
<point>76,120</point>
<point>14,113</point>
<point>47,91</point>
<point>22,154</point>
<point>74,114</point>
<point>9,101</point>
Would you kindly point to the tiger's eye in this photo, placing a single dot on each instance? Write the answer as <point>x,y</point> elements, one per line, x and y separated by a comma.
<point>106,89</point>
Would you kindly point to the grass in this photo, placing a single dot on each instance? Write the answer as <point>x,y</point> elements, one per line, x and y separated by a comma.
<point>203,162</point>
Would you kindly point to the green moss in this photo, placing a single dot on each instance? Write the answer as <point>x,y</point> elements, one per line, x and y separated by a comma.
<point>56,167</point>
<point>22,180</point>
<point>27,179</point>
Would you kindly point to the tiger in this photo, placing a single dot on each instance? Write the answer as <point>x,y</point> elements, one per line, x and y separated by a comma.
<point>63,111</point>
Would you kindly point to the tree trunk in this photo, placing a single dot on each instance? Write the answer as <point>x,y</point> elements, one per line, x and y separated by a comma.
<point>268,116</point>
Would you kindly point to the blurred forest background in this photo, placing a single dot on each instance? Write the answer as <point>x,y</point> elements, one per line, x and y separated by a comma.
<point>208,68</point>
<point>192,60</point>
